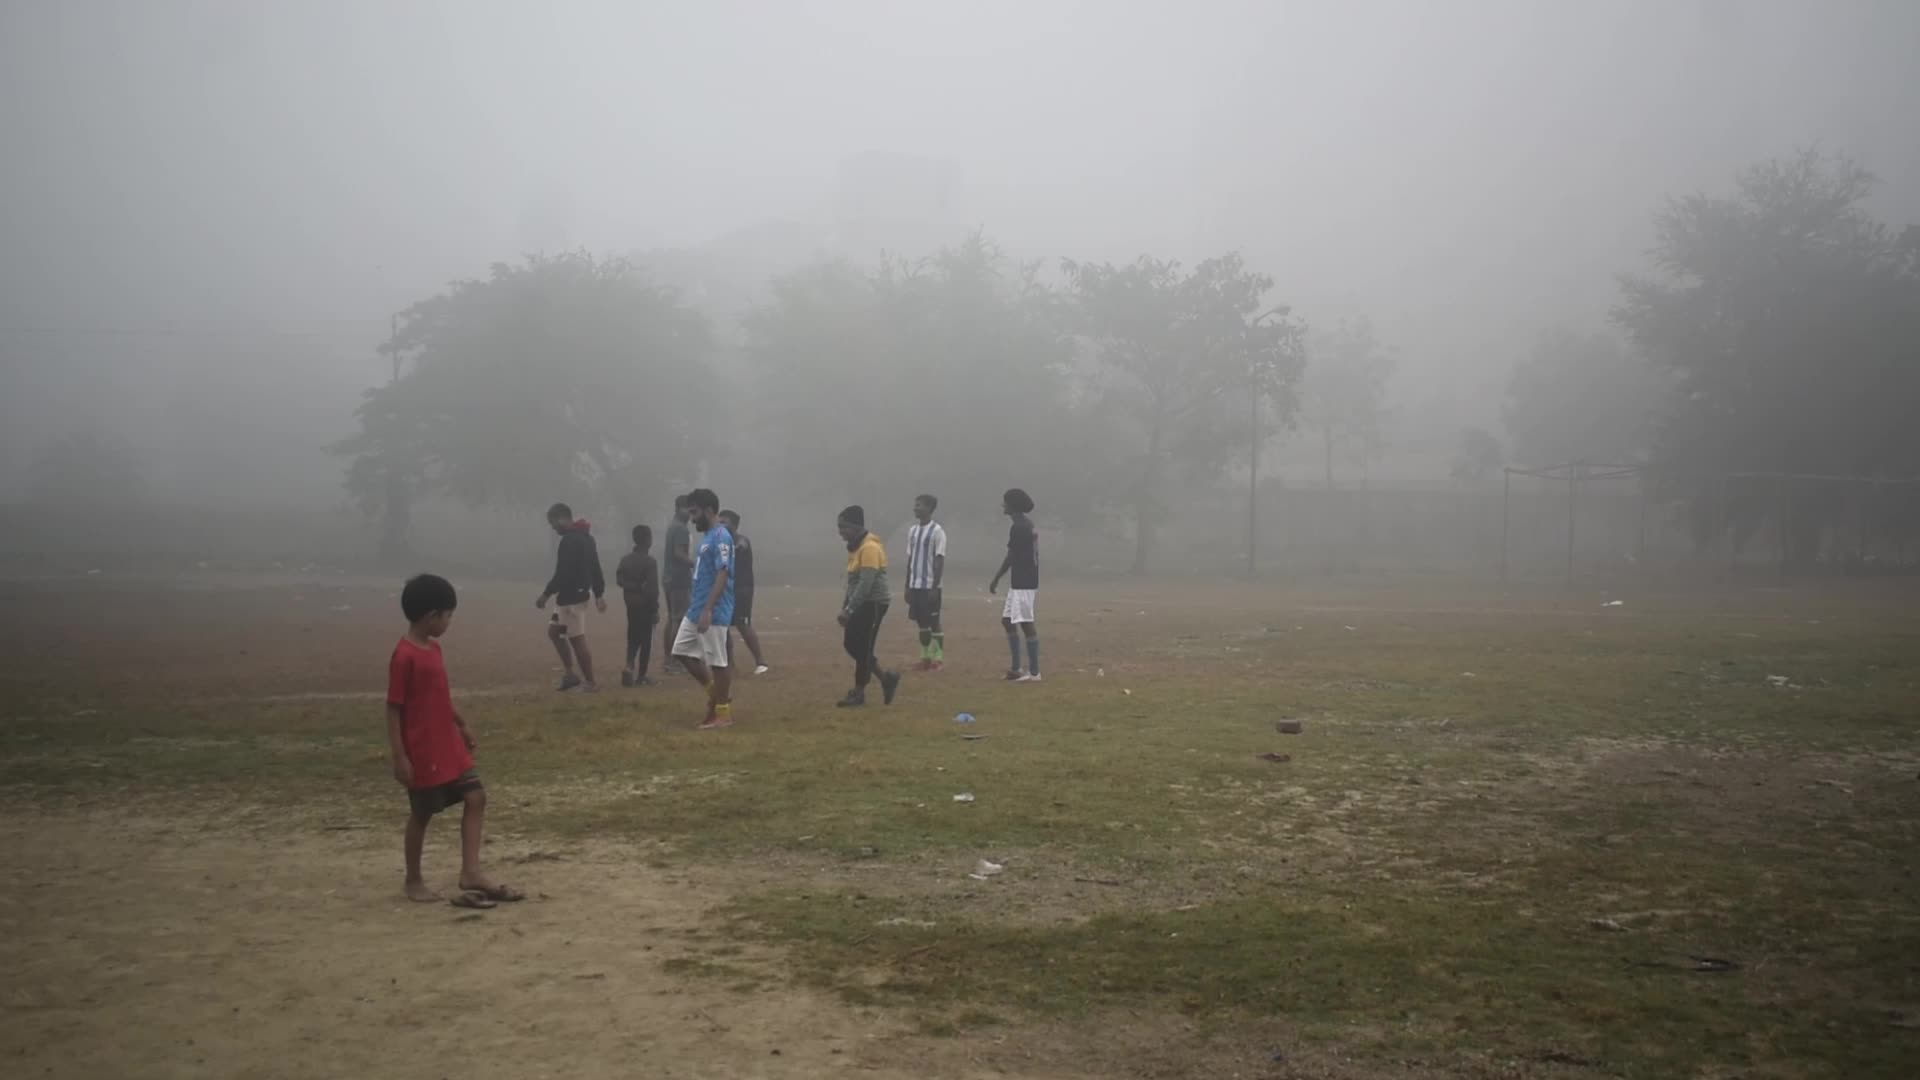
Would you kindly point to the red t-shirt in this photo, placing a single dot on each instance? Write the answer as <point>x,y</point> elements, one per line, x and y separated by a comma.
<point>417,683</point>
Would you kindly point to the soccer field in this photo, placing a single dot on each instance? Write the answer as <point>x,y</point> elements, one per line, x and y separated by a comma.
<point>1521,834</point>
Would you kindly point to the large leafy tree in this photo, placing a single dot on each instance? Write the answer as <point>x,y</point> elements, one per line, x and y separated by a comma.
<point>564,376</point>
<point>1581,397</point>
<point>1178,356</point>
<point>944,374</point>
<point>1790,320</point>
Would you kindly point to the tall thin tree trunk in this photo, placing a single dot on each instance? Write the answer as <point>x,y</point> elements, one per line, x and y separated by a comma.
<point>1144,504</point>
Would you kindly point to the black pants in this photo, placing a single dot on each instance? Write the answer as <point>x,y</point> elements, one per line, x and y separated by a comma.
<point>863,632</point>
<point>640,620</point>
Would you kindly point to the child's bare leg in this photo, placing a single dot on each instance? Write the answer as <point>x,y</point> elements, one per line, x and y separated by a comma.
<point>585,656</point>
<point>417,842</point>
<point>472,822</point>
<point>558,635</point>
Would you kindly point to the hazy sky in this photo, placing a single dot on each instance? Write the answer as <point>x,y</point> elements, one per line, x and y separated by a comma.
<point>1466,171</point>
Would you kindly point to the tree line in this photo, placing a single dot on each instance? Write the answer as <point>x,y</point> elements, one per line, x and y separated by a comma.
<point>1777,329</point>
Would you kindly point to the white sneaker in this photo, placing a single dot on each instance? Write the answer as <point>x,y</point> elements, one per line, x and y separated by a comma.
<point>762,670</point>
<point>1028,678</point>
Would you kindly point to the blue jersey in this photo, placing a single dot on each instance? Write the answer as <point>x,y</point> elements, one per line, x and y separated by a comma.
<point>713,554</point>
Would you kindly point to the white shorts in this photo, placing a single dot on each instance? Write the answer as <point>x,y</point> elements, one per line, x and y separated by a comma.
<point>1019,606</point>
<point>709,648</point>
<point>573,617</point>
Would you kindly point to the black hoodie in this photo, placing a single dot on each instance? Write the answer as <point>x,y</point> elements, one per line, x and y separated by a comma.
<point>576,567</point>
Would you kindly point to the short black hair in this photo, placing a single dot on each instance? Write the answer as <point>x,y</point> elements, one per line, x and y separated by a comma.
<point>425,594</point>
<point>932,503</point>
<point>705,499</point>
<point>559,510</point>
<point>731,515</point>
<point>642,536</point>
<point>1018,501</point>
<point>680,502</point>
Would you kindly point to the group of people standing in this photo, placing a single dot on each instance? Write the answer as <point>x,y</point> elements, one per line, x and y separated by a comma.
<point>707,585</point>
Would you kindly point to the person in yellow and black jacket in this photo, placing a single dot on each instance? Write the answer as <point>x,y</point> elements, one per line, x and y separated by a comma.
<point>864,608</point>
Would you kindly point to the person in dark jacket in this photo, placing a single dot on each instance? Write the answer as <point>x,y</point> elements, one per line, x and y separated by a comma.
<point>638,576</point>
<point>576,577</point>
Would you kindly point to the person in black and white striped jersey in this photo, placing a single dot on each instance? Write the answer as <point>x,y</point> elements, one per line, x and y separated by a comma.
<point>926,568</point>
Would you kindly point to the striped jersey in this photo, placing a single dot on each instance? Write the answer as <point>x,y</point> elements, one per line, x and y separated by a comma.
<point>924,544</point>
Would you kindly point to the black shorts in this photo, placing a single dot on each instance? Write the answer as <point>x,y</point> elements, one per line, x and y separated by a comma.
<point>923,605</point>
<point>743,608</point>
<point>429,801</point>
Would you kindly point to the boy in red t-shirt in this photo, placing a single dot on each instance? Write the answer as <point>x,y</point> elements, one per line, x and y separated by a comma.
<point>432,748</point>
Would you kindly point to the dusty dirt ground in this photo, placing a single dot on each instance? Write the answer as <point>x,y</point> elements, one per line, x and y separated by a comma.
<point>142,946</point>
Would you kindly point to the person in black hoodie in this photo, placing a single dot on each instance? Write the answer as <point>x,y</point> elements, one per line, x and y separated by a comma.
<point>576,576</point>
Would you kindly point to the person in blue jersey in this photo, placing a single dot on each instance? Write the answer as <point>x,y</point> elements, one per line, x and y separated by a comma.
<point>701,643</point>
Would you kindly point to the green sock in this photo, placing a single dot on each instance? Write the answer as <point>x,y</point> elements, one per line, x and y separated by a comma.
<point>940,647</point>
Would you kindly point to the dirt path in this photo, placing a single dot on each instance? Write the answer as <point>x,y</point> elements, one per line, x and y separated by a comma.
<point>137,946</point>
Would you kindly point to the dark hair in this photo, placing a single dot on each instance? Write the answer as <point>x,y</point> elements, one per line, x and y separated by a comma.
<point>731,515</point>
<point>705,499</point>
<point>680,502</point>
<point>642,536</point>
<point>932,503</point>
<point>1018,501</point>
<point>426,594</point>
<point>559,510</point>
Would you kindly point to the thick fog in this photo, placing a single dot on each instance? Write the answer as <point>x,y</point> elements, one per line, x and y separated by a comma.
<point>210,211</point>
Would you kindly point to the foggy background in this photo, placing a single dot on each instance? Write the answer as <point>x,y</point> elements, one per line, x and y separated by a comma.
<point>209,212</point>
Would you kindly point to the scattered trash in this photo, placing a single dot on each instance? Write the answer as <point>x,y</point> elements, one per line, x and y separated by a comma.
<point>963,718</point>
<point>976,877</point>
<point>1289,727</point>
<point>1468,675</point>
<point>868,853</point>
<point>988,868</point>
<point>804,839</point>
<point>965,796</point>
<point>1713,964</point>
<point>921,924</point>
<point>1129,693</point>
<point>1777,680</point>
<point>1100,672</point>
<point>1614,603</point>
<point>1276,758</point>
<point>1609,925</point>
<point>1353,628</point>
<point>973,738</point>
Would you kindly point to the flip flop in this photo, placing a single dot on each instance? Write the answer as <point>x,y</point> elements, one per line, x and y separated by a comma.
<point>505,894</point>
<point>473,898</point>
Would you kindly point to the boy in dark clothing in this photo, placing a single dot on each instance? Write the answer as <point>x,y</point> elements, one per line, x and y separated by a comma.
<point>743,592</point>
<point>638,576</point>
<point>1022,564</point>
<point>676,578</point>
<point>432,748</point>
<point>576,576</point>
